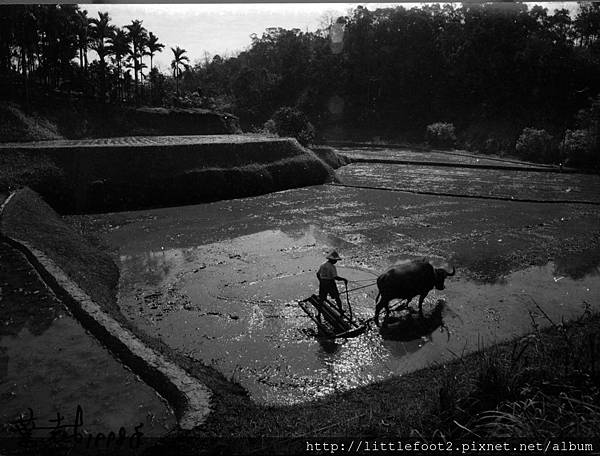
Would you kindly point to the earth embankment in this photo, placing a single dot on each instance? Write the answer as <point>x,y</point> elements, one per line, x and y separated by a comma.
<point>134,172</point>
<point>54,117</point>
<point>26,217</point>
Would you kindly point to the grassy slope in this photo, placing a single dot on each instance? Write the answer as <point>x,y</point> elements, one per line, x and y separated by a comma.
<point>17,125</point>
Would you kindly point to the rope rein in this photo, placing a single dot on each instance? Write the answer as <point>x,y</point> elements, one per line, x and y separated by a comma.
<point>359,288</point>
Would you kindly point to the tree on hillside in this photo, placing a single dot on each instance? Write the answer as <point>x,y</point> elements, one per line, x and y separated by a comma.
<point>120,46</point>
<point>49,44</point>
<point>83,38</point>
<point>58,44</point>
<point>587,23</point>
<point>178,63</point>
<point>101,33</point>
<point>6,38</point>
<point>153,47</point>
<point>25,33</point>
<point>139,37</point>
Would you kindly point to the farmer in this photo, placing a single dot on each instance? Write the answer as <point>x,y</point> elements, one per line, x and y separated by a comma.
<point>327,275</point>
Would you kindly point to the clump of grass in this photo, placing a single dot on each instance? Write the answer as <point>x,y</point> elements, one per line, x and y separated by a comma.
<point>572,412</point>
<point>548,385</point>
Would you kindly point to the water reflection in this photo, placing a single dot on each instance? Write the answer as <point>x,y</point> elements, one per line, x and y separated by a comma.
<point>410,326</point>
<point>65,368</point>
<point>492,260</point>
<point>26,303</point>
<point>152,267</point>
<point>36,319</point>
<point>578,265</point>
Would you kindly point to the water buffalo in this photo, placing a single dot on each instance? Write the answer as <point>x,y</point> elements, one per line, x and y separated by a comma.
<point>407,280</point>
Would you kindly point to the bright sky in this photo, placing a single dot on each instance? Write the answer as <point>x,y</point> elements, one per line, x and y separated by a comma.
<point>225,29</point>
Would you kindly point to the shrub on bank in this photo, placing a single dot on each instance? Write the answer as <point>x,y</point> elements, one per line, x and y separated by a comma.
<point>536,145</point>
<point>577,147</point>
<point>441,134</point>
<point>581,147</point>
<point>293,123</point>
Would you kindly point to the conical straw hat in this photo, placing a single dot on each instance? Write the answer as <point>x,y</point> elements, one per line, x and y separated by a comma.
<point>333,256</point>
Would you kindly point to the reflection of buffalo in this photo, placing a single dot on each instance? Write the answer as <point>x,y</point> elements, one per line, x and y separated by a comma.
<point>410,326</point>
<point>407,280</point>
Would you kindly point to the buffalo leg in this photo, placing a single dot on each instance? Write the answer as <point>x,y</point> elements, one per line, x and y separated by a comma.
<point>379,305</point>
<point>421,299</point>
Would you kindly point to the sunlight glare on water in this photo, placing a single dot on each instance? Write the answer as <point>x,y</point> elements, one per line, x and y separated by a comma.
<point>233,305</point>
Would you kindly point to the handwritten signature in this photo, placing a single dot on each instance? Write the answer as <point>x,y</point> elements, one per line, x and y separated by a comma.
<point>62,434</point>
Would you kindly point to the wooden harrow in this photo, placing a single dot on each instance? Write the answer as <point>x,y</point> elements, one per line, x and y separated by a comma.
<point>333,321</point>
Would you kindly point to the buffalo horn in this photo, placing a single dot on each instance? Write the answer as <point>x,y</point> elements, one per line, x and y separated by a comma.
<point>449,274</point>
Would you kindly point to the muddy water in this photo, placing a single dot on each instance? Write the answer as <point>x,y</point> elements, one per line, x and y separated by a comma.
<point>49,364</point>
<point>220,282</point>
<point>65,368</point>
<point>233,305</point>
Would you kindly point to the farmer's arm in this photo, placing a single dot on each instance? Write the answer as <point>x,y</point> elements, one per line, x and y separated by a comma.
<point>341,279</point>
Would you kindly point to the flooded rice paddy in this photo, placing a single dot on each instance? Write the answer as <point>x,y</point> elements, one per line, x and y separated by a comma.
<point>220,282</point>
<point>439,157</point>
<point>521,185</point>
<point>50,365</point>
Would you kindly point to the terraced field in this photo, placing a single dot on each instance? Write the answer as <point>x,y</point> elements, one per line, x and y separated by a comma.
<point>139,141</point>
<point>99,175</point>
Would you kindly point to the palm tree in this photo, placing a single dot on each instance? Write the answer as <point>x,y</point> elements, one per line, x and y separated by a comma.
<point>26,34</point>
<point>138,36</point>
<point>83,39</point>
<point>153,46</point>
<point>59,44</point>
<point>120,48</point>
<point>7,26</point>
<point>177,63</point>
<point>101,33</point>
<point>141,65</point>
